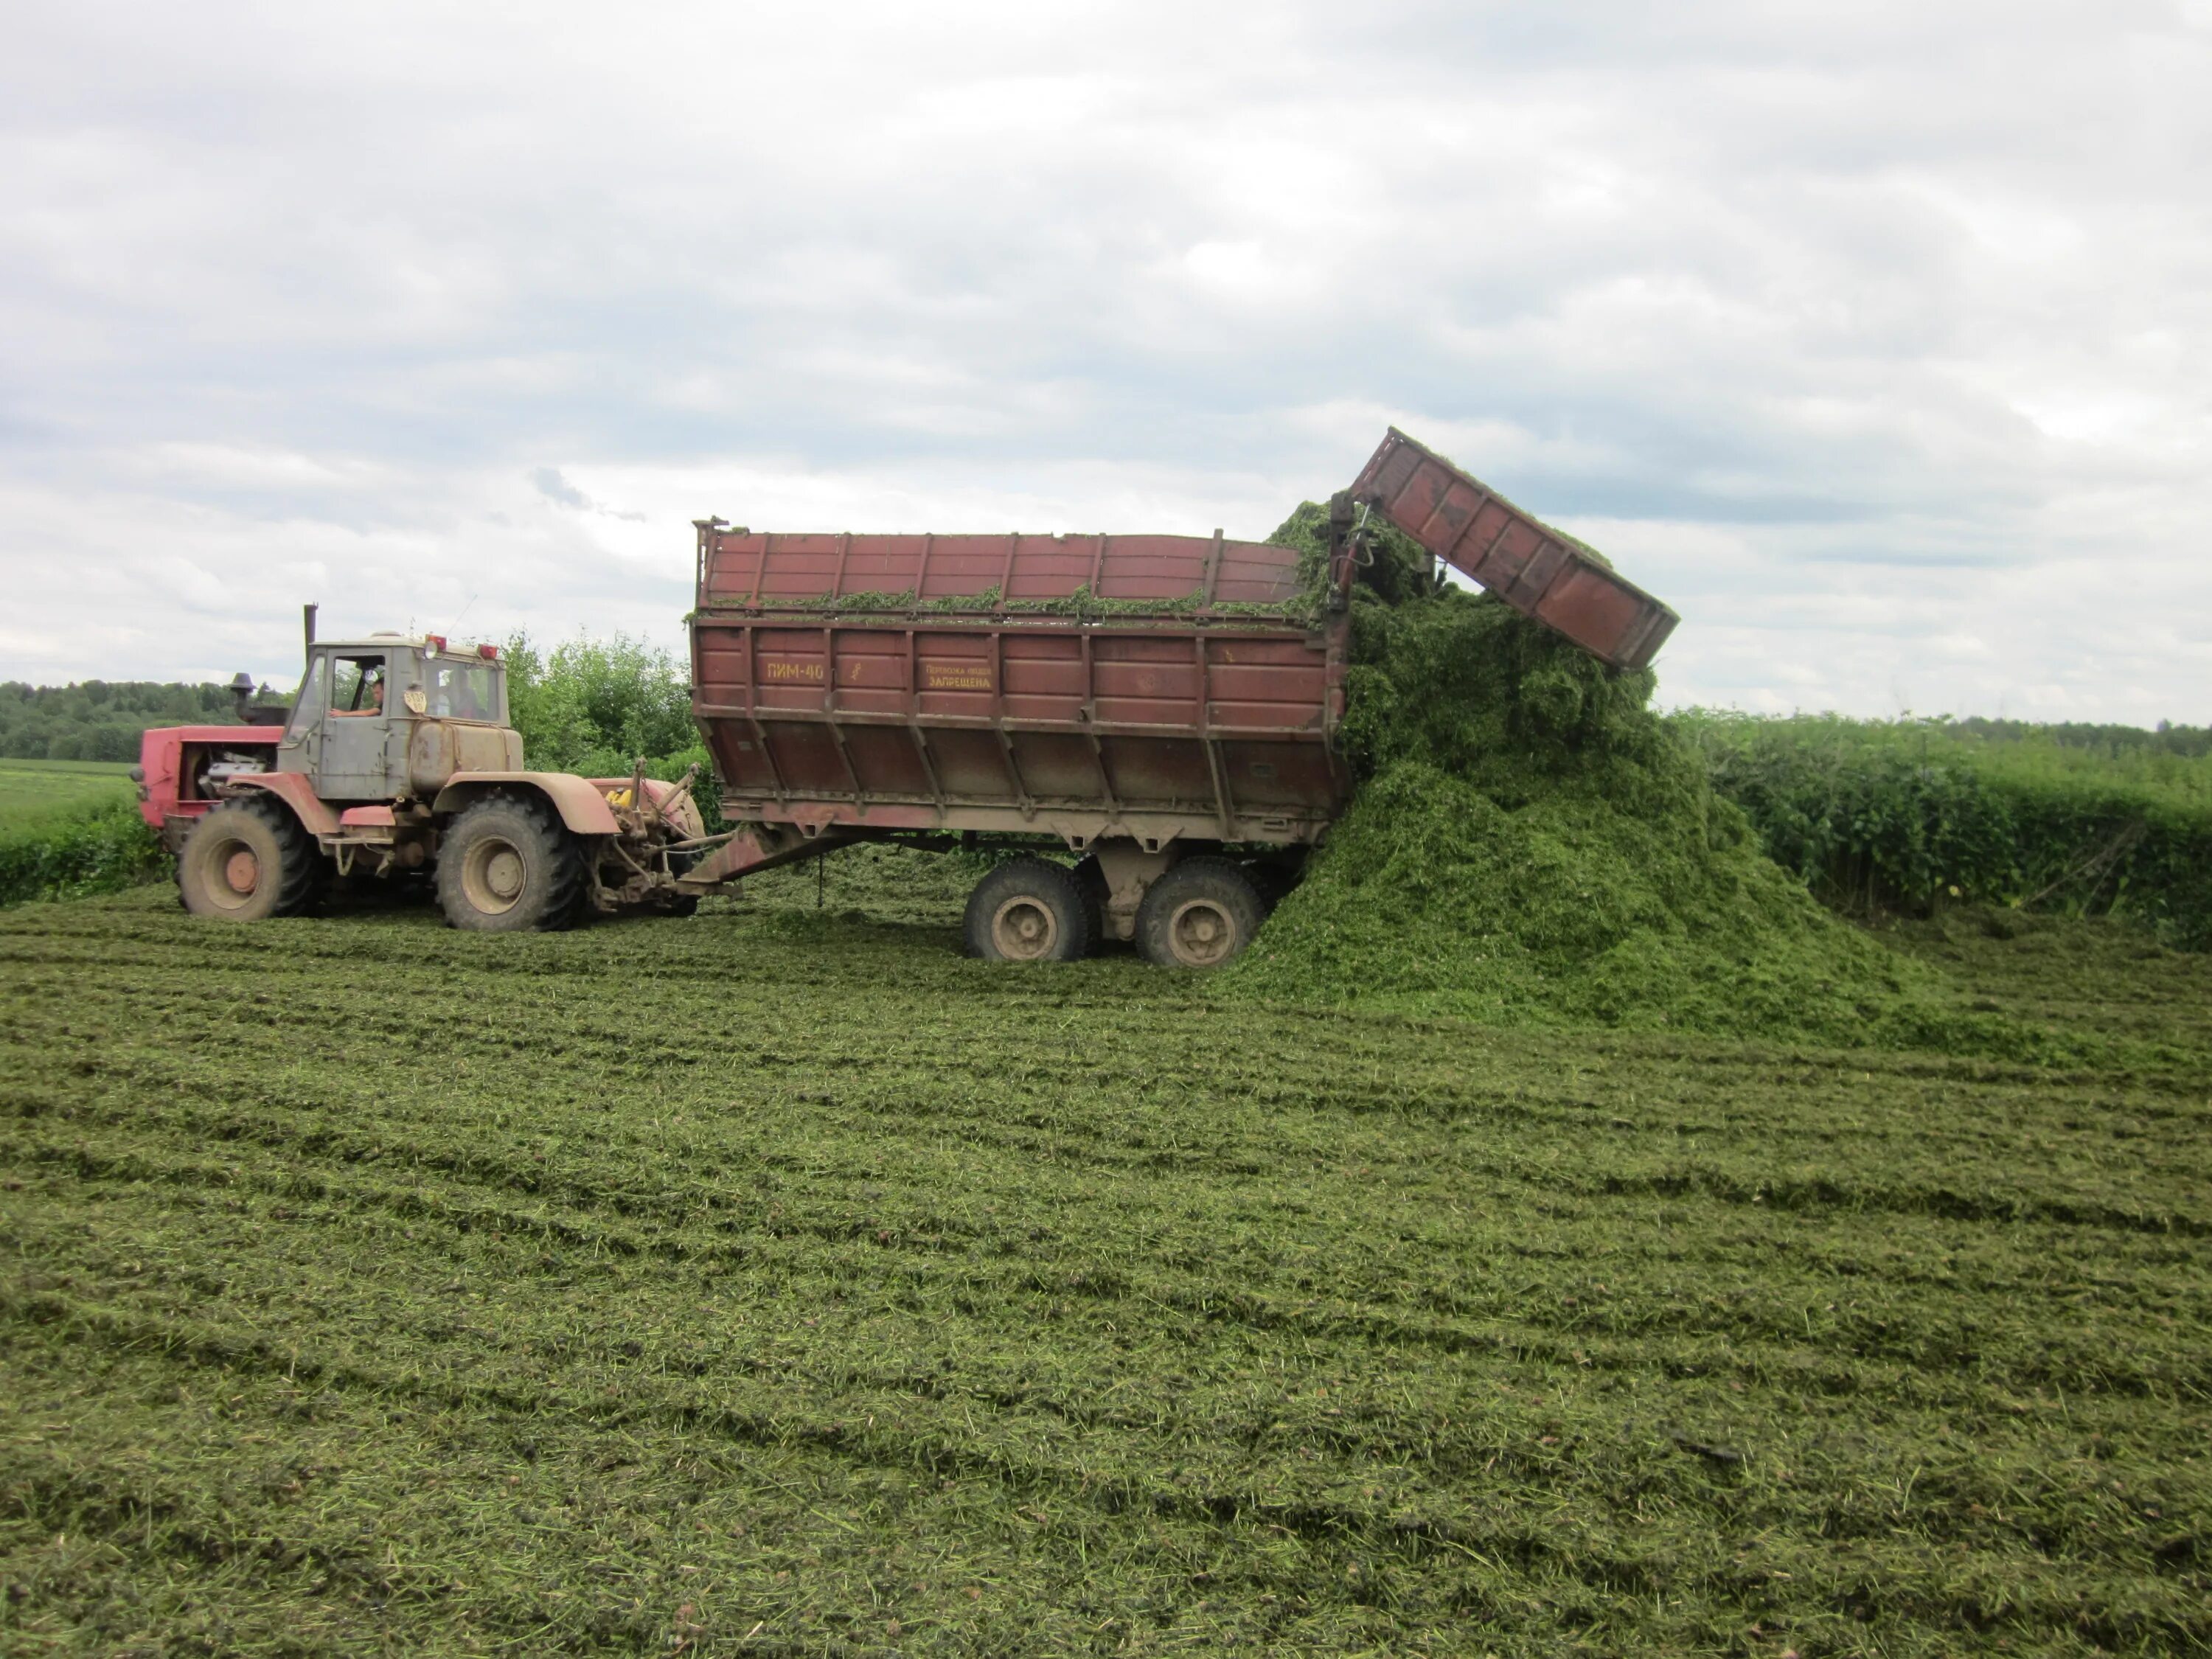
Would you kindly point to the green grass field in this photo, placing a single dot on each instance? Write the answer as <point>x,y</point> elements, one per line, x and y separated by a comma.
<point>37,793</point>
<point>777,1281</point>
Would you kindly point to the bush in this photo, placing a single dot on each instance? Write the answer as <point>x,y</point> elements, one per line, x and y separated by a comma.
<point>595,707</point>
<point>101,853</point>
<point>1910,815</point>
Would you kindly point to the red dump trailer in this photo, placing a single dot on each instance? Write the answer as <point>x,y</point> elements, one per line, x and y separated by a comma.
<point>1167,708</point>
<point>1149,702</point>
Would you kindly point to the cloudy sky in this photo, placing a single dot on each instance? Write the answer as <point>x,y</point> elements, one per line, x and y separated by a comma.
<point>1876,337</point>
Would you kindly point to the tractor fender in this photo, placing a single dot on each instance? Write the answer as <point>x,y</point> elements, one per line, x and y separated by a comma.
<point>582,807</point>
<point>297,790</point>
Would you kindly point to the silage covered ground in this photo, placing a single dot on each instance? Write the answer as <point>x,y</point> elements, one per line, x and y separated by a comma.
<point>777,1281</point>
<point>1531,844</point>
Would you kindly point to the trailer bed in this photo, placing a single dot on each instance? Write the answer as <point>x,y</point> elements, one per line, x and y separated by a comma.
<point>1153,687</point>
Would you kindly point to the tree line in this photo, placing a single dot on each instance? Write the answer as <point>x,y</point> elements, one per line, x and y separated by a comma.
<point>101,719</point>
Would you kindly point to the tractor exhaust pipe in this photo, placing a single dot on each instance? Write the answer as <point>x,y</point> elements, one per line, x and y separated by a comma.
<point>308,622</point>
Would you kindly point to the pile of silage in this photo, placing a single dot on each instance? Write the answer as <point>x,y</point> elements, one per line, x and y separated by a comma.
<point>1532,845</point>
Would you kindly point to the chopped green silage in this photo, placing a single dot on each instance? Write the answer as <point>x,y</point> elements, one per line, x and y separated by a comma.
<point>779,1281</point>
<point>1432,898</point>
<point>1534,846</point>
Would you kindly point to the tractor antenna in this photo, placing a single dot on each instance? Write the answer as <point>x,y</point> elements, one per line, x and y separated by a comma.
<point>454,626</point>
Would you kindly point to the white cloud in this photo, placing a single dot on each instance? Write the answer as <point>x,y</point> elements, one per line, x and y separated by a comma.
<point>1878,338</point>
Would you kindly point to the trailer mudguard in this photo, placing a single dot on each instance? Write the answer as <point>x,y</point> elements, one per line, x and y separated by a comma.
<point>581,806</point>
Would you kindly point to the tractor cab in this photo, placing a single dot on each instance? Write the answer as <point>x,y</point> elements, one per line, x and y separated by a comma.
<point>393,716</point>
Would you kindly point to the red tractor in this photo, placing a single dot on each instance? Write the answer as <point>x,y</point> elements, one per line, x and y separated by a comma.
<point>397,759</point>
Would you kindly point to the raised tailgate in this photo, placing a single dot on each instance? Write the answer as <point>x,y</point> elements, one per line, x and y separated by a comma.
<point>1538,571</point>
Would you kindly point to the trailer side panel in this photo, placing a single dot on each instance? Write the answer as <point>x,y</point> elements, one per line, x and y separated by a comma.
<point>1084,687</point>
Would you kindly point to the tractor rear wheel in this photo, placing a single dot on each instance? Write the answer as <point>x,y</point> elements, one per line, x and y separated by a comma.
<point>248,860</point>
<point>1199,914</point>
<point>508,866</point>
<point>1028,909</point>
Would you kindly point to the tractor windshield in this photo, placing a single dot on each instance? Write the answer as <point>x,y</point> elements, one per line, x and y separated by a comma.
<point>307,711</point>
<point>462,690</point>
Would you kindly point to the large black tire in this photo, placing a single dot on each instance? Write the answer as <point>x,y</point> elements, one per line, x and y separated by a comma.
<point>508,866</point>
<point>1028,909</point>
<point>1272,882</point>
<point>248,860</point>
<point>1090,876</point>
<point>1199,914</point>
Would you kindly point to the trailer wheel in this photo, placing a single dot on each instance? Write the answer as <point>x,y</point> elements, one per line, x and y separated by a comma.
<point>248,860</point>
<point>1199,914</point>
<point>507,866</point>
<point>1272,882</point>
<point>1090,876</point>
<point>1028,909</point>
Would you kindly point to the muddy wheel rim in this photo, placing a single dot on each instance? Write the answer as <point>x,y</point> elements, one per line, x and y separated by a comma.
<point>1024,929</point>
<point>233,875</point>
<point>1201,933</point>
<point>493,875</point>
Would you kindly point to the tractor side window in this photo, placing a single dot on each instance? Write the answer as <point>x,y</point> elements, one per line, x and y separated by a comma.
<point>464,692</point>
<point>357,685</point>
<point>313,691</point>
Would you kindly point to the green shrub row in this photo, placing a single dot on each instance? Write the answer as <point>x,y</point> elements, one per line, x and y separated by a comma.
<point>103,852</point>
<point>1910,815</point>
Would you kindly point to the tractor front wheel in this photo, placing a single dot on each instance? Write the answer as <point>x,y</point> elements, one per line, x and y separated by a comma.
<point>508,866</point>
<point>248,860</point>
